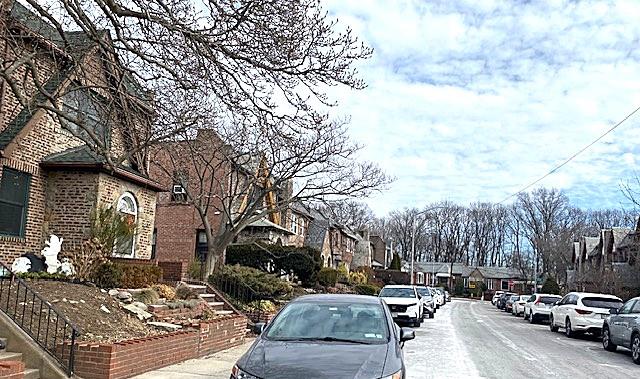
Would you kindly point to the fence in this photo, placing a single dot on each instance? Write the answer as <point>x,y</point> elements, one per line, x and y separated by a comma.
<point>49,328</point>
<point>239,294</point>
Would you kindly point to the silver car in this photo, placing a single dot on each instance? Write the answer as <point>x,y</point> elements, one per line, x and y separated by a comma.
<point>622,328</point>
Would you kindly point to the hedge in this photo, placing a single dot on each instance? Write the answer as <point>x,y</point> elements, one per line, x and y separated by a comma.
<point>366,289</point>
<point>111,275</point>
<point>261,284</point>
<point>328,277</point>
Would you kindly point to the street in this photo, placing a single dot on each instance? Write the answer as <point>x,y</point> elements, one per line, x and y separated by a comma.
<point>471,339</point>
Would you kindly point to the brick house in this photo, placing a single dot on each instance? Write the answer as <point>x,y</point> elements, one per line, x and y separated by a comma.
<point>382,252</point>
<point>337,243</point>
<point>449,274</point>
<point>50,180</point>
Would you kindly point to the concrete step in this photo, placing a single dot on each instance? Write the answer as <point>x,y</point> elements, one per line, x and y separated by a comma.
<point>208,296</point>
<point>31,373</point>
<point>10,356</point>
<point>222,313</point>
<point>218,305</point>
<point>198,288</point>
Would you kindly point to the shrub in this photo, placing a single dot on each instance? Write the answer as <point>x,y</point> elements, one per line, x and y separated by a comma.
<point>260,283</point>
<point>550,286</point>
<point>195,269</point>
<point>328,277</point>
<point>260,305</point>
<point>366,289</point>
<point>87,258</point>
<point>147,296</point>
<point>459,288</point>
<point>137,276</point>
<point>367,271</point>
<point>186,293</point>
<point>343,273</point>
<point>395,263</point>
<point>357,278</point>
<point>41,275</point>
<point>165,291</point>
<point>107,275</point>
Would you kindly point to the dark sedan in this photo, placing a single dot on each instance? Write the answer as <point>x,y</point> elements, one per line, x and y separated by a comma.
<point>327,336</point>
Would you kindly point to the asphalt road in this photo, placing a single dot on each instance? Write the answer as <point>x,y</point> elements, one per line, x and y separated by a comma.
<point>470,339</point>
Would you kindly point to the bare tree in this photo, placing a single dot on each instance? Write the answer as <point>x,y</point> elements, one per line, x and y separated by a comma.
<point>354,214</point>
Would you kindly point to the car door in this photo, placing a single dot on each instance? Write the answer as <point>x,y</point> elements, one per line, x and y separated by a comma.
<point>559,311</point>
<point>623,324</point>
<point>569,309</point>
<point>634,322</point>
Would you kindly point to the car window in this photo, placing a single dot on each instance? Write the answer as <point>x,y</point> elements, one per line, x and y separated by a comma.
<point>423,292</point>
<point>397,292</point>
<point>312,321</point>
<point>525,298</point>
<point>626,308</point>
<point>531,298</point>
<point>636,307</point>
<point>549,299</point>
<point>601,302</point>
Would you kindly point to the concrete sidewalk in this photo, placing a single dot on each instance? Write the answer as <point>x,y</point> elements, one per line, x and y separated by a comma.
<point>217,365</point>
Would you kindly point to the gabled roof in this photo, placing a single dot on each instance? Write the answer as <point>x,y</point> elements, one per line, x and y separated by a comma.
<point>317,231</point>
<point>264,223</point>
<point>591,246</point>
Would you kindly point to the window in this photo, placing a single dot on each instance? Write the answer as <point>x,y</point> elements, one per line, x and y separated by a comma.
<point>636,307</point>
<point>600,302</point>
<point>466,282</point>
<point>128,208</point>
<point>154,238</point>
<point>302,226</point>
<point>80,107</point>
<point>489,284</point>
<point>14,197</point>
<point>420,278</point>
<point>201,245</point>
<point>294,224</point>
<point>504,285</point>
<point>627,307</point>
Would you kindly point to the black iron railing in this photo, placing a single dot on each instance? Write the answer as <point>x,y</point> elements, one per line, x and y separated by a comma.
<point>37,317</point>
<point>239,295</point>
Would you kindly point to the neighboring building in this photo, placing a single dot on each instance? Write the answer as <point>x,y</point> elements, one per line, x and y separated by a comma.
<point>50,180</point>
<point>449,274</point>
<point>337,243</point>
<point>363,254</point>
<point>382,252</point>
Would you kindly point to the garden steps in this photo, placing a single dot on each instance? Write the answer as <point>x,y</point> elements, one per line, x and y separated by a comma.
<point>29,373</point>
<point>221,313</point>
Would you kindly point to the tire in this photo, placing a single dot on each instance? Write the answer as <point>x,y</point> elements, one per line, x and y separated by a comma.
<point>567,329</point>
<point>532,318</point>
<point>635,348</point>
<point>431,315</point>
<point>552,326</point>
<point>606,340</point>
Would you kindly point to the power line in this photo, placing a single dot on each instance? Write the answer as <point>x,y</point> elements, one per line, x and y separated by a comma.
<point>571,157</point>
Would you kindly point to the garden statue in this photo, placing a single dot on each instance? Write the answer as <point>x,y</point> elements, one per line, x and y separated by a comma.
<point>66,267</point>
<point>50,253</point>
<point>21,265</point>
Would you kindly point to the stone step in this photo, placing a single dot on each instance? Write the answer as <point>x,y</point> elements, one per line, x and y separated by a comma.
<point>198,288</point>
<point>222,313</point>
<point>10,356</point>
<point>216,305</point>
<point>31,373</point>
<point>208,296</point>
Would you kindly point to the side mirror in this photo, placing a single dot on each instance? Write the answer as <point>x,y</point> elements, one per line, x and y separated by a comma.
<point>613,311</point>
<point>407,334</point>
<point>258,327</point>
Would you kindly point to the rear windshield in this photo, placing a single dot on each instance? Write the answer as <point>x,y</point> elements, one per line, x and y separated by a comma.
<point>601,302</point>
<point>424,292</point>
<point>549,299</point>
<point>515,297</point>
<point>397,292</point>
<point>524,297</point>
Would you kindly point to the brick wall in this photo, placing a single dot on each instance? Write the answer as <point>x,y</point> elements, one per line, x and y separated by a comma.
<point>11,370</point>
<point>173,271</point>
<point>130,358</point>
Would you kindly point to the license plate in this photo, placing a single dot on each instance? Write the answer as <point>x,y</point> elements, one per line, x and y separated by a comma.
<point>394,314</point>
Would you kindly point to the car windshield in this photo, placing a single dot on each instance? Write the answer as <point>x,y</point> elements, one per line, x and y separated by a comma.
<point>515,297</point>
<point>424,292</point>
<point>549,299</point>
<point>397,292</point>
<point>361,323</point>
<point>601,302</point>
<point>524,297</point>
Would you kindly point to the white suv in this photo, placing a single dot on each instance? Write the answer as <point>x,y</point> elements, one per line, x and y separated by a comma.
<point>404,303</point>
<point>539,305</point>
<point>496,296</point>
<point>582,312</point>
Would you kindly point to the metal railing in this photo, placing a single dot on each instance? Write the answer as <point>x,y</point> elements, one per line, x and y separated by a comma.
<point>239,294</point>
<point>37,317</point>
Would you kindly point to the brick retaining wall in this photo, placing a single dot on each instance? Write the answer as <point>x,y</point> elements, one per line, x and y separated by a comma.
<point>129,358</point>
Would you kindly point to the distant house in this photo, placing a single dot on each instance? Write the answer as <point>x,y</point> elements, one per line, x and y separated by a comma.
<point>382,253</point>
<point>450,274</point>
<point>51,180</point>
<point>336,243</point>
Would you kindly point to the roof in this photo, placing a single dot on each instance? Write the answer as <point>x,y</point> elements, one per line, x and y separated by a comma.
<point>375,263</point>
<point>338,298</point>
<point>264,223</point>
<point>300,208</point>
<point>591,244</point>
<point>317,230</point>
<point>465,271</point>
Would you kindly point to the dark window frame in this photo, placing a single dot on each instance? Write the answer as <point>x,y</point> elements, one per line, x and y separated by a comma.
<point>24,205</point>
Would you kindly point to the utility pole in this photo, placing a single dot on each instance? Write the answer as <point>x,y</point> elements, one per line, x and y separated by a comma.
<point>413,247</point>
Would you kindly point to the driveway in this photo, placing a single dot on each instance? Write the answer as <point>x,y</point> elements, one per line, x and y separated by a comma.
<point>217,365</point>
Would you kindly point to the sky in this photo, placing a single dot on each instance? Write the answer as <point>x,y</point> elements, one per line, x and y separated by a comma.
<point>472,100</point>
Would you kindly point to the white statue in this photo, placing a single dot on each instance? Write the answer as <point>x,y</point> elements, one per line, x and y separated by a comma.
<point>50,253</point>
<point>66,267</point>
<point>21,265</point>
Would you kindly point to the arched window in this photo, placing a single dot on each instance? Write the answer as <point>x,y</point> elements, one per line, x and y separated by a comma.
<point>128,208</point>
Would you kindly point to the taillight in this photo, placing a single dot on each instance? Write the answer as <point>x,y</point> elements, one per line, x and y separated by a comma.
<point>583,311</point>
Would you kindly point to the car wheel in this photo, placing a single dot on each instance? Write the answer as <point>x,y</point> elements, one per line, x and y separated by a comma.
<point>552,325</point>
<point>567,329</point>
<point>431,315</point>
<point>606,339</point>
<point>532,318</point>
<point>635,348</point>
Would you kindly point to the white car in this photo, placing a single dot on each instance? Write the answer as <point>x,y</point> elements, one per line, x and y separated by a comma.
<point>517,308</point>
<point>582,312</point>
<point>438,297</point>
<point>496,296</point>
<point>404,303</point>
<point>539,306</point>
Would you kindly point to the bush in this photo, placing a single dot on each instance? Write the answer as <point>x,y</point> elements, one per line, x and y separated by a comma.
<point>395,263</point>
<point>186,293</point>
<point>328,277</point>
<point>343,273</point>
<point>260,305</point>
<point>459,288</point>
<point>357,278</point>
<point>550,286</point>
<point>136,276</point>
<point>107,275</point>
<point>165,291</point>
<point>195,270</point>
<point>42,275</point>
<point>366,289</point>
<point>147,296</point>
<point>262,285</point>
<point>367,271</point>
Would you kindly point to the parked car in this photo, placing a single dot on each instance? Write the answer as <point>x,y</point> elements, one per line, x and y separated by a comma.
<point>580,312</point>
<point>517,307</point>
<point>503,299</point>
<point>495,297</point>
<point>428,303</point>
<point>622,328</point>
<point>508,305</point>
<point>332,334</point>
<point>447,296</point>
<point>404,303</point>
<point>437,297</point>
<point>539,305</point>
<point>443,296</point>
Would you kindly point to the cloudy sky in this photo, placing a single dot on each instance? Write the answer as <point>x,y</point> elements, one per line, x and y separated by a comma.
<point>472,100</point>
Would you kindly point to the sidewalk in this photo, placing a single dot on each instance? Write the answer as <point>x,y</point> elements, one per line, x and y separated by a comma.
<point>217,365</point>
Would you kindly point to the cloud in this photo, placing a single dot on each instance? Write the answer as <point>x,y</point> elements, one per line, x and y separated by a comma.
<point>471,100</point>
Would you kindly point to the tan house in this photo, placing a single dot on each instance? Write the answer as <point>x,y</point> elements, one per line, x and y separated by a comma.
<point>50,180</point>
